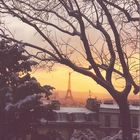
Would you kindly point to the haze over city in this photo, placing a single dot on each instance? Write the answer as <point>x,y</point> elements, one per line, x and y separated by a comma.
<point>80,85</point>
<point>69,70</point>
<point>58,77</point>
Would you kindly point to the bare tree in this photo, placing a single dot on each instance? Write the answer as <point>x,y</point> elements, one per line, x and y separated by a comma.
<point>97,38</point>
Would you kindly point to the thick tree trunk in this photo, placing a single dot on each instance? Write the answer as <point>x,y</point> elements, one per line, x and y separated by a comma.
<point>125,119</point>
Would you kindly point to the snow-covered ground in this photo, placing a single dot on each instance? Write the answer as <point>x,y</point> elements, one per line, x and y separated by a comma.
<point>118,136</point>
<point>86,134</point>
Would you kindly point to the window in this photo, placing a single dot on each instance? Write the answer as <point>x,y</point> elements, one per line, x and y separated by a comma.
<point>90,117</point>
<point>70,117</point>
<point>107,121</point>
<point>119,121</point>
<point>135,121</point>
<point>61,117</point>
<point>79,116</point>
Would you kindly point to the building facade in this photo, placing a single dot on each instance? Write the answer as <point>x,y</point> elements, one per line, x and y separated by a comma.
<point>108,115</point>
<point>109,118</point>
<point>98,117</point>
<point>64,122</point>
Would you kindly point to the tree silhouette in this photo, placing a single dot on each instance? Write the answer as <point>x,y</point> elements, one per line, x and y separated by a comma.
<point>97,38</point>
<point>19,92</point>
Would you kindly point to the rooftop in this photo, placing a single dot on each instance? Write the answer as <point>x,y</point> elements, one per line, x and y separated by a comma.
<point>115,106</point>
<point>74,110</point>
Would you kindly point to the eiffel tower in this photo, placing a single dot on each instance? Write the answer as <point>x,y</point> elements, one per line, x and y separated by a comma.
<point>69,93</point>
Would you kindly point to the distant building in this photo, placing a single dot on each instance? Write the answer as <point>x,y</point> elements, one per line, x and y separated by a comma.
<point>55,104</point>
<point>93,104</point>
<point>97,116</point>
<point>109,116</point>
<point>66,120</point>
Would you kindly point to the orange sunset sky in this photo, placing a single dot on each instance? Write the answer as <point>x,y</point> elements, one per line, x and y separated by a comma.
<point>80,84</point>
<point>58,78</point>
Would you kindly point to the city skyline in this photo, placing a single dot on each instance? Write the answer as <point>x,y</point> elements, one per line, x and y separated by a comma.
<point>80,84</point>
<point>59,76</point>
